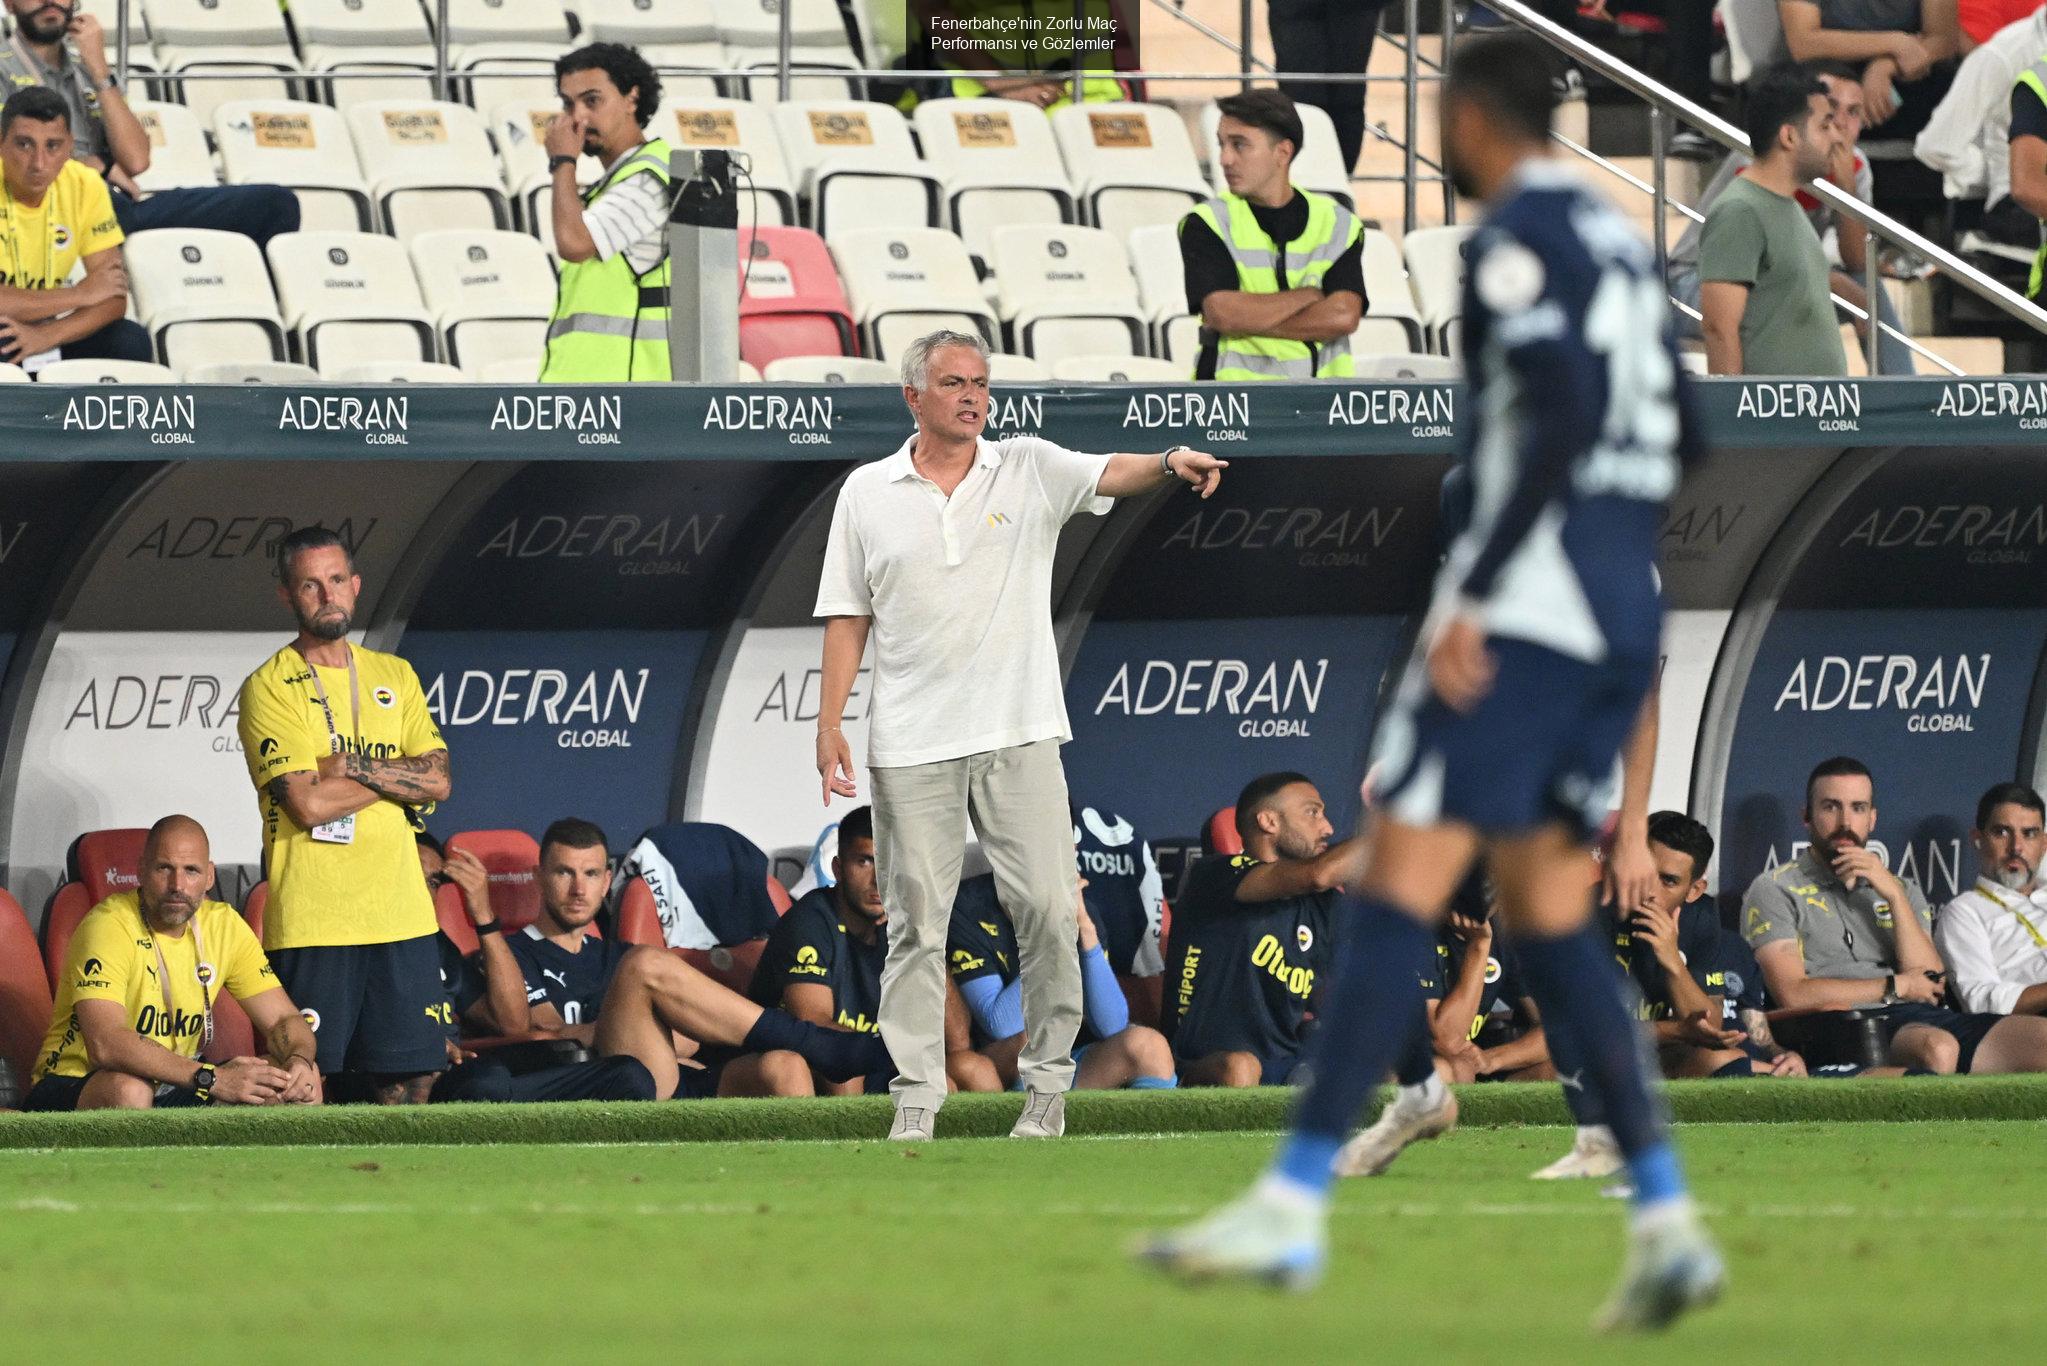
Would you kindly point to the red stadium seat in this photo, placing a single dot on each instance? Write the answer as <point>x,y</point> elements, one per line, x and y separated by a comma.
<point>253,908</point>
<point>779,894</point>
<point>791,302</point>
<point>454,919</point>
<point>1220,835</point>
<point>24,992</point>
<point>512,859</point>
<point>103,862</point>
<point>233,1035</point>
<point>638,921</point>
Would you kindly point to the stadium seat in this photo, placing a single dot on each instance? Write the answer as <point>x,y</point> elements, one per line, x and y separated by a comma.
<point>747,374</point>
<point>511,858</point>
<point>453,920</point>
<point>178,156</point>
<point>905,282</point>
<point>215,24</point>
<point>1219,835</point>
<point>251,372</point>
<point>106,372</point>
<point>855,163</point>
<point>350,299</point>
<point>490,294</point>
<point>998,164</point>
<point>11,373</point>
<point>1131,164</point>
<point>254,905</point>
<point>99,863</point>
<point>505,52</point>
<point>24,994</point>
<point>204,295</point>
<point>381,38</point>
<point>300,145</point>
<point>403,372</point>
<point>637,921</point>
<point>1117,370</point>
<point>813,24</point>
<point>1410,365</point>
<point>652,28</point>
<point>430,165</point>
<point>1162,289</point>
<point>735,125</point>
<point>205,97</point>
<point>790,300</point>
<point>1064,290</point>
<point>828,370</point>
<point>1318,164</point>
<point>1391,322</point>
<point>519,128</point>
<point>1435,267</point>
<point>1004,368</point>
<point>108,12</point>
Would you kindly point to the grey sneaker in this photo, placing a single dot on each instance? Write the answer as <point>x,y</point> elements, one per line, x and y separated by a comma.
<point>1044,1115</point>
<point>913,1125</point>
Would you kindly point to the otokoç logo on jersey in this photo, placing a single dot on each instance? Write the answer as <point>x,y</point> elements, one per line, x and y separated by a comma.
<point>805,420</point>
<point>169,420</point>
<point>1987,535</point>
<point>1830,406</point>
<point>1276,699</point>
<point>595,421</point>
<point>1938,695</point>
<point>1215,415</point>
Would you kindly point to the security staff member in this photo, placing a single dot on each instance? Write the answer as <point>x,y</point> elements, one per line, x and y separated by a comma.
<point>2029,156</point>
<point>1275,272</point>
<point>610,321</point>
<point>345,758</point>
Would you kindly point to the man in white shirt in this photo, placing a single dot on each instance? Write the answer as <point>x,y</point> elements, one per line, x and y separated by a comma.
<point>1994,936</point>
<point>944,551</point>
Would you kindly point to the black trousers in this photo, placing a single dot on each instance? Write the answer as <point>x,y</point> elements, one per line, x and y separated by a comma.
<point>1327,35</point>
<point>489,1080</point>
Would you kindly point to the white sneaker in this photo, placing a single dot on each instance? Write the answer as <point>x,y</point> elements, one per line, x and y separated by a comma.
<point>1594,1156</point>
<point>913,1124</point>
<point>1044,1115</point>
<point>1671,1267</point>
<point>1373,1151</point>
<point>1256,1236</point>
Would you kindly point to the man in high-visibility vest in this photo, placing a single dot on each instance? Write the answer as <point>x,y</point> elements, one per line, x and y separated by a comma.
<point>1274,271</point>
<point>610,322</point>
<point>2029,156</point>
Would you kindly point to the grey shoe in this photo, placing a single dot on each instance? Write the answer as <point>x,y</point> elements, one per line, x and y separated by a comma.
<point>1044,1115</point>
<point>913,1125</point>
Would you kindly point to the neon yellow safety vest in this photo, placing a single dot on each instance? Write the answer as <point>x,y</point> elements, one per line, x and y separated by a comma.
<point>610,326</point>
<point>2034,78</point>
<point>1029,48</point>
<point>1332,230</point>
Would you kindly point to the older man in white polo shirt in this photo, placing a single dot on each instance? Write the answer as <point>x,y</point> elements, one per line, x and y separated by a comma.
<point>1994,936</point>
<point>944,551</point>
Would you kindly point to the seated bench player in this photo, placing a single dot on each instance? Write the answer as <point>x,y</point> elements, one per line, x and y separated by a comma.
<point>981,949</point>
<point>646,1002</point>
<point>1473,971</point>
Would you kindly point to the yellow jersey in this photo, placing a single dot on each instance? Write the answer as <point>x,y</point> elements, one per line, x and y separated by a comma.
<point>368,890</point>
<point>40,247</point>
<point>113,958</point>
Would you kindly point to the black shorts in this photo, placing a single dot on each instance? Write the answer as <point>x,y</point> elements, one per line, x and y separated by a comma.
<point>374,1008</point>
<point>1969,1030</point>
<point>486,1079</point>
<point>62,1093</point>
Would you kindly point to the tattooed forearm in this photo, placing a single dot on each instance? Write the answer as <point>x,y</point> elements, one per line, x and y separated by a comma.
<point>409,778</point>
<point>1758,1026</point>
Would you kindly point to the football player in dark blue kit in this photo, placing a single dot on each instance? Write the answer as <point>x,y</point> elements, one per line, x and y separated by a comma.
<point>1541,643</point>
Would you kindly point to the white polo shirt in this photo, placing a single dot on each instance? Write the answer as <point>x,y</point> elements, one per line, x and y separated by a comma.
<point>960,590</point>
<point>1994,942</point>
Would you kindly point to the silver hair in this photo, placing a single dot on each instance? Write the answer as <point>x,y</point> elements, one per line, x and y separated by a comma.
<point>917,359</point>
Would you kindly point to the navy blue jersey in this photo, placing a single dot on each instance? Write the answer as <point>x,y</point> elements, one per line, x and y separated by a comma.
<point>461,979</point>
<point>1125,895</point>
<point>573,983</point>
<point>810,946</point>
<point>1581,425</point>
<point>1741,980</point>
<point>1502,975</point>
<point>1244,973</point>
<point>1698,945</point>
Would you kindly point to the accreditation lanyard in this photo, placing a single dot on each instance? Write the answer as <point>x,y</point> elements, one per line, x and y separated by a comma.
<point>203,971</point>
<point>327,709</point>
<point>2039,940</point>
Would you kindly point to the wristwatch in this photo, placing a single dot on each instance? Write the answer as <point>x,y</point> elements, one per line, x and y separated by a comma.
<point>1890,989</point>
<point>555,163</point>
<point>202,1084</point>
<point>1166,460</point>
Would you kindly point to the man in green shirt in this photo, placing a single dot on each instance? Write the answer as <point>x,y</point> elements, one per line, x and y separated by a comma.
<point>1763,276</point>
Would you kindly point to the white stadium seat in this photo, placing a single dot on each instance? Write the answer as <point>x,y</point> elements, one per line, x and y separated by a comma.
<point>1004,368</point>
<point>1132,164</point>
<point>11,373</point>
<point>998,163</point>
<point>647,25</point>
<point>1162,289</point>
<point>350,298</point>
<point>1065,290</point>
<point>251,372</point>
<point>758,23</point>
<point>401,372</point>
<point>856,165</point>
<point>353,75</point>
<point>1435,266</point>
<point>488,81</point>
<point>1415,365</point>
<point>105,372</point>
<point>203,97</point>
<point>519,128</point>
<point>905,282</point>
<point>740,127</point>
<point>1116,370</point>
<point>747,374</point>
<point>1391,322</point>
<point>813,74</point>
<point>301,145</point>
<point>490,294</point>
<point>215,24</point>
<point>339,37</point>
<point>430,165</point>
<point>1318,163</point>
<point>829,370</point>
<point>204,295</point>
<point>521,38</point>
<point>178,156</point>
<point>108,12</point>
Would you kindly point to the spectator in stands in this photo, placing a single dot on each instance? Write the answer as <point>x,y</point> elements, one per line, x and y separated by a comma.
<point>823,964</point>
<point>943,553</point>
<point>1473,971</point>
<point>1327,35</point>
<point>610,323</point>
<point>1993,937</point>
<point>986,967</point>
<point>58,220</point>
<point>1275,272</point>
<point>61,49</point>
<point>2028,162</point>
<point>1126,900</point>
<point>346,761</point>
<point>1829,936</point>
<point>635,1000</point>
<point>1253,934</point>
<point>1906,49</point>
<point>1763,277</point>
<point>1042,58</point>
<point>135,1000</point>
<point>1969,138</point>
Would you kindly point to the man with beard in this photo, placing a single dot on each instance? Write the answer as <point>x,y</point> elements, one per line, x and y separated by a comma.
<point>1828,936</point>
<point>135,1001</point>
<point>346,761</point>
<point>1994,936</point>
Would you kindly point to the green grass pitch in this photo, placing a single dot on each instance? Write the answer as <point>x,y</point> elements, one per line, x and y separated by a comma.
<point>1846,1241</point>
